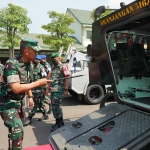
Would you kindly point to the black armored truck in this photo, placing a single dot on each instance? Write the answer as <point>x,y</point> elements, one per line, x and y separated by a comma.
<point>120,56</point>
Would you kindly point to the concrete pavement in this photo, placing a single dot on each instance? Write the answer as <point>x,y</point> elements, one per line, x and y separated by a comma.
<point>38,132</point>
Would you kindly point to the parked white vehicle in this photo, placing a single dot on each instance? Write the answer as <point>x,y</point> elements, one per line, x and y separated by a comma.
<point>80,87</point>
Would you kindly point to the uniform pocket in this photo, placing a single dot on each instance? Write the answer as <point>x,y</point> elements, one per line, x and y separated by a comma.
<point>9,117</point>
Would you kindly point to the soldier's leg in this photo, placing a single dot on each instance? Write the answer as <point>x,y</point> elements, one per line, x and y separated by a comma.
<point>23,113</point>
<point>42,108</point>
<point>14,124</point>
<point>56,99</point>
<point>33,110</point>
<point>47,100</point>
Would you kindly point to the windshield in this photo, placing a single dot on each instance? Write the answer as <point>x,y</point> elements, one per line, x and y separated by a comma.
<point>129,51</point>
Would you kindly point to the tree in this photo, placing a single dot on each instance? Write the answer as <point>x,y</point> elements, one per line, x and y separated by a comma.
<point>59,30</point>
<point>13,21</point>
<point>107,12</point>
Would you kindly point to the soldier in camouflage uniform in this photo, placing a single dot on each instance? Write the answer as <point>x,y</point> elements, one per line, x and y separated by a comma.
<point>1,71</point>
<point>48,71</point>
<point>58,88</point>
<point>17,77</point>
<point>46,65</point>
<point>38,96</point>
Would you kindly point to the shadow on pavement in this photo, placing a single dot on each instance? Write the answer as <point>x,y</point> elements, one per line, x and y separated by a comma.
<point>42,130</point>
<point>72,101</point>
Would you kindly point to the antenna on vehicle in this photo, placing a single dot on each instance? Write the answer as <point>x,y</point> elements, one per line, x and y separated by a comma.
<point>99,11</point>
<point>122,4</point>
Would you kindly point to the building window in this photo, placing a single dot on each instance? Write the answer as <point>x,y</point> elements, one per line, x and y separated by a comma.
<point>88,34</point>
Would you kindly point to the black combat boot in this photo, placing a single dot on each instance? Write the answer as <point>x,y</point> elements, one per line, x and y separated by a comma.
<point>44,117</point>
<point>49,111</point>
<point>27,121</point>
<point>59,123</point>
<point>62,121</point>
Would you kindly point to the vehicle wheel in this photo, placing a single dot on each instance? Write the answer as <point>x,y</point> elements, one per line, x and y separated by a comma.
<point>74,94</point>
<point>94,94</point>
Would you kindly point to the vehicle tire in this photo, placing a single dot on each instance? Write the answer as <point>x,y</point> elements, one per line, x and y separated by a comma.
<point>74,94</point>
<point>94,94</point>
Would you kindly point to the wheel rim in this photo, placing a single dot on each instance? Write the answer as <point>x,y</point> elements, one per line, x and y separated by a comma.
<point>94,93</point>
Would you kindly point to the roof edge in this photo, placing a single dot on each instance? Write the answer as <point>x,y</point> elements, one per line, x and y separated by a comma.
<point>73,15</point>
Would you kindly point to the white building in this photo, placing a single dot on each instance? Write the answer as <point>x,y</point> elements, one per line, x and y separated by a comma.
<point>82,25</point>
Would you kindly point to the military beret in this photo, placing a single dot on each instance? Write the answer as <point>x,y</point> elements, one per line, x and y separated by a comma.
<point>38,57</point>
<point>30,43</point>
<point>43,56</point>
<point>55,54</point>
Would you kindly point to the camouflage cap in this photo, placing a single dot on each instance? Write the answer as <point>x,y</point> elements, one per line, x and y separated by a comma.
<point>55,54</point>
<point>30,43</point>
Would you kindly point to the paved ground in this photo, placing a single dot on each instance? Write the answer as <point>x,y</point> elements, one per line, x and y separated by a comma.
<point>38,132</point>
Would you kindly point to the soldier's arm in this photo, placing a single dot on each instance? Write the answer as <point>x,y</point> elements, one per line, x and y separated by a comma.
<point>66,74</point>
<point>21,88</point>
<point>30,99</point>
<point>29,93</point>
<point>13,79</point>
<point>67,83</point>
<point>48,75</point>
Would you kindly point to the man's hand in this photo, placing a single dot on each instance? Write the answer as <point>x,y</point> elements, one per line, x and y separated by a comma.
<point>44,81</point>
<point>31,103</point>
<point>65,93</point>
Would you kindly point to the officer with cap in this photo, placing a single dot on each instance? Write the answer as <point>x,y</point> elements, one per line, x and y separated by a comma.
<point>38,96</point>
<point>17,81</point>
<point>58,88</point>
<point>48,71</point>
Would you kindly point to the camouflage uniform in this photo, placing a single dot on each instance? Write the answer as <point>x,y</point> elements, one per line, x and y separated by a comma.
<point>10,103</point>
<point>38,73</point>
<point>57,90</point>
<point>15,70</point>
<point>48,69</point>
<point>59,87</point>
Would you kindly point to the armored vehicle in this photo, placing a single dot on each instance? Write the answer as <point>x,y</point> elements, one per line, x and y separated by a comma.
<point>120,56</point>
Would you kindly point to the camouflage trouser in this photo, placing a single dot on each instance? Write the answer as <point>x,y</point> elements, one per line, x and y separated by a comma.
<point>46,100</point>
<point>14,124</point>
<point>22,110</point>
<point>38,103</point>
<point>56,98</point>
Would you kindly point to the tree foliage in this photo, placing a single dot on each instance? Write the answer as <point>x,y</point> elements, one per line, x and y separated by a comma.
<point>58,30</point>
<point>107,12</point>
<point>13,21</point>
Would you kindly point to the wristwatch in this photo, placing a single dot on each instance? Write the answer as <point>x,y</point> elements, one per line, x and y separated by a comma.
<point>66,89</point>
<point>30,96</point>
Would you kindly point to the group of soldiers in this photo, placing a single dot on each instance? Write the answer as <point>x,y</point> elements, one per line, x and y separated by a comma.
<point>40,69</point>
<point>29,74</point>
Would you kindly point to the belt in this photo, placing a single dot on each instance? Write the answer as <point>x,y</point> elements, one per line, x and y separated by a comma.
<point>36,91</point>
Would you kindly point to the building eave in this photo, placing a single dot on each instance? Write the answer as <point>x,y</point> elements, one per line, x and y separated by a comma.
<point>86,25</point>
